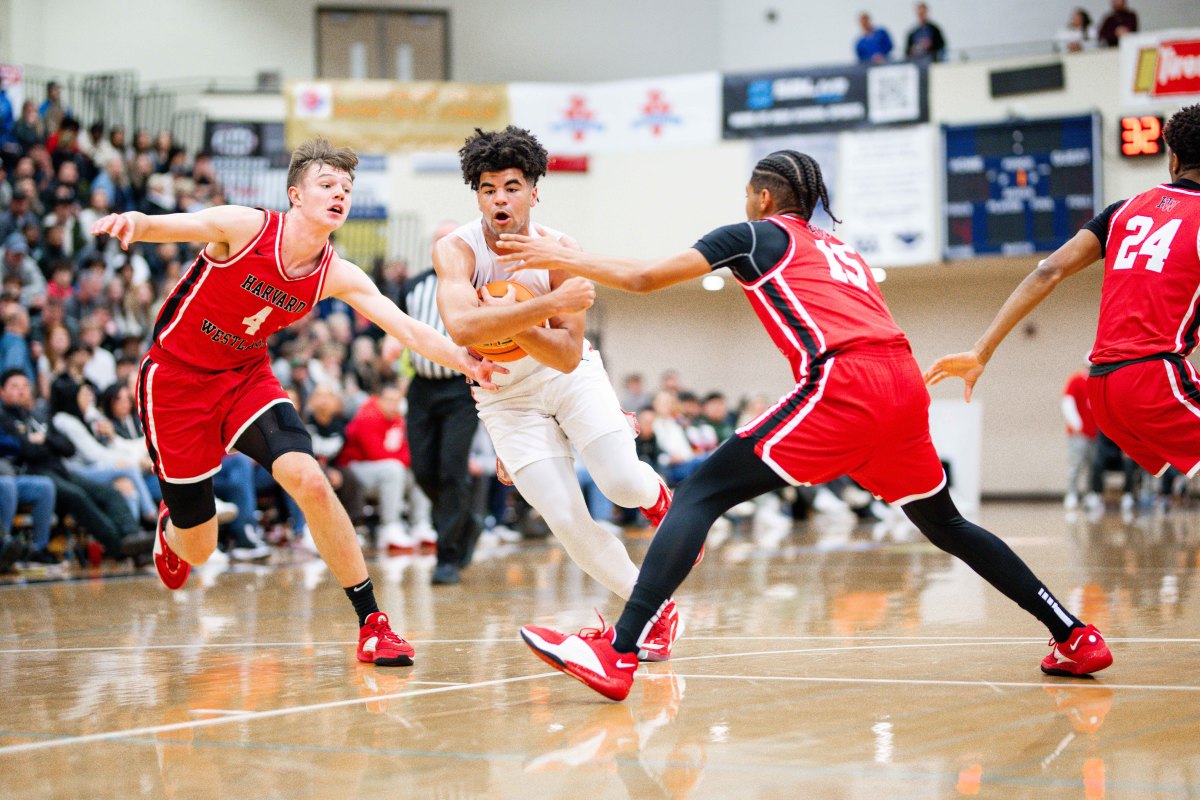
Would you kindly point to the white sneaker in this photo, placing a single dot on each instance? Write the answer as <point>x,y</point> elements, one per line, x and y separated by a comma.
<point>254,549</point>
<point>392,536</point>
<point>1093,502</point>
<point>217,560</point>
<point>507,534</point>
<point>1127,502</point>
<point>424,534</point>
<point>826,502</point>
<point>1071,501</point>
<point>226,512</point>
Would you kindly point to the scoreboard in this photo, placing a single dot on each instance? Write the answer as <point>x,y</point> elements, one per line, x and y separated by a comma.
<point>1020,186</point>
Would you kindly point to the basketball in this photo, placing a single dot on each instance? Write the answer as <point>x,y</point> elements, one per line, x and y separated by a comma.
<point>505,349</point>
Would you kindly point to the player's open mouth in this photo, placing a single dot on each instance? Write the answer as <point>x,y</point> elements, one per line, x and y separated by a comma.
<point>501,217</point>
<point>336,210</point>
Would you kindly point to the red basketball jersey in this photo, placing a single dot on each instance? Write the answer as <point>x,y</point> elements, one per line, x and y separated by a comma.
<point>1151,277</point>
<point>820,299</point>
<point>221,313</point>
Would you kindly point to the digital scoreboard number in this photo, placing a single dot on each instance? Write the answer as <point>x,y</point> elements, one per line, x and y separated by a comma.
<point>1141,136</point>
<point>1019,187</point>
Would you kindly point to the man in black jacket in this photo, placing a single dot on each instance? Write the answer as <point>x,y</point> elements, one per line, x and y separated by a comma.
<point>37,448</point>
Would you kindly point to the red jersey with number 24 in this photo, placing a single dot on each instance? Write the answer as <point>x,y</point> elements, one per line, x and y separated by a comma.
<point>1151,276</point>
<point>220,314</point>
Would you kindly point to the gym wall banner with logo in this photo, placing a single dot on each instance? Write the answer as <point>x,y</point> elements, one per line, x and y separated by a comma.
<point>387,116</point>
<point>617,116</point>
<point>822,99</point>
<point>1161,69</point>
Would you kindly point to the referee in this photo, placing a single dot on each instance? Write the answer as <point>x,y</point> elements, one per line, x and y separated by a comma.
<point>441,424</point>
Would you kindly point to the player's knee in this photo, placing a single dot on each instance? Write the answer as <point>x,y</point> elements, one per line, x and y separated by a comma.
<point>628,490</point>
<point>303,480</point>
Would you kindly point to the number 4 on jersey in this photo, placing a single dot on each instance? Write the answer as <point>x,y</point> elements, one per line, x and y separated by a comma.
<point>255,322</point>
<point>1157,246</point>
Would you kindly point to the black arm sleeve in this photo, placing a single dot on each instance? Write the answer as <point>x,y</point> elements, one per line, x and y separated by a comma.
<point>1099,224</point>
<point>749,249</point>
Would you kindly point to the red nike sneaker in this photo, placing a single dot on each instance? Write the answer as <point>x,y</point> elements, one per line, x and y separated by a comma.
<point>587,656</point>
<point>656,646</point>
<point>378,644</point>
<point>173,571</point>
<point>1082,654</point>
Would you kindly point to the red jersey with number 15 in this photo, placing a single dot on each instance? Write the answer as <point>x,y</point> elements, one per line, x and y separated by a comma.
<point>1149,303</point>
<point>820,299</point>
<point>221,313</point>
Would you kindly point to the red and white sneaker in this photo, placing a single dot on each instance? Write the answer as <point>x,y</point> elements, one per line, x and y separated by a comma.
<point>1082,654</point>
<point>587,656</point>
<point>657,512</point>
<point>378,644</point>
<point>664,630</point>
<point>173,571</point>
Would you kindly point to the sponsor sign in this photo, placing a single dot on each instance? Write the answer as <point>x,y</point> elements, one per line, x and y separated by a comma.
<point>615,116</point>
<point>769,104</point>
<point>1161,69</point>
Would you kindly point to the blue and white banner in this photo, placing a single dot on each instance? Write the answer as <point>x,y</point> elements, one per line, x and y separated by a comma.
<point>620,116</point>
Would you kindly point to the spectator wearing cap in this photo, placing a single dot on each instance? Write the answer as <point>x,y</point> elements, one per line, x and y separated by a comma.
<point>14,343</point>
<point>18,215</point>
<point>18,263</point>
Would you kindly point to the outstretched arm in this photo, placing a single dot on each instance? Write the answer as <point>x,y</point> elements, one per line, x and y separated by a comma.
<point>1082,250</point>
<point>349,283</point>
<point>629,274</point>
<point>231,226</point>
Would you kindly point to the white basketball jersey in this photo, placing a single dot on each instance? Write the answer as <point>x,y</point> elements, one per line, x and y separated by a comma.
<point>487,270</point>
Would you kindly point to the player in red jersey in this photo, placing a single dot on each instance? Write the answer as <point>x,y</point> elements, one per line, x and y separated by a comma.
<point>859,408</point>
<point>206,387</point>
<point>1144,395</point>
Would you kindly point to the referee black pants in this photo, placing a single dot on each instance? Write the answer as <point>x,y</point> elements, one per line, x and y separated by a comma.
<point>441,424</point>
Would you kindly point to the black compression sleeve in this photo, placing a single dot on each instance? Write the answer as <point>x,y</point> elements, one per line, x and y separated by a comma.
<point>749,249</point>
<point>1099,224</point>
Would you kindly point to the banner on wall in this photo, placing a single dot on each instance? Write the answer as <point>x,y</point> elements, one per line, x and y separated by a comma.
<point>619,116</point>
<point>886,197</point>
<point>12,81</point>
<point>385,116</point>
<point>798,101</point>
<point>1160,69</point>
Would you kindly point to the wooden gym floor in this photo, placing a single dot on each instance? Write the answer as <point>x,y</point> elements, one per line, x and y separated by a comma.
<point>831,661</point>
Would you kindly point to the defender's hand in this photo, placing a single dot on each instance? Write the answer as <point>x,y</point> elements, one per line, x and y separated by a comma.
<point>119,226</point>
<point>967,366</point>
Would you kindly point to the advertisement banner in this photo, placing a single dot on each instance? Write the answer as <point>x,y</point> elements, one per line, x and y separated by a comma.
<point>620,115</point>
<point>1160,69</point>
<point>852,96</point>
<point>385,116</point>
<point>886,197</point>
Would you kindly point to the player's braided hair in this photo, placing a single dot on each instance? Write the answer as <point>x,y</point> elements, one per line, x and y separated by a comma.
<point>794,180</point>
<point>1182,133</point>
<point>495,151</point>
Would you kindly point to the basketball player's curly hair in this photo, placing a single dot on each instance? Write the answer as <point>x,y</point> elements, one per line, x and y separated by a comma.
<point>495,151</point>
<point>794,180</point>
<point>1182,133</point>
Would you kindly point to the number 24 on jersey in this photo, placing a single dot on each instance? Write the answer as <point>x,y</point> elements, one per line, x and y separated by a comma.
<point>1140,241</point>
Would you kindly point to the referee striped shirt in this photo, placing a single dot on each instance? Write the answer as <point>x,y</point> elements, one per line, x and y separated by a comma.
<point>418,299</point>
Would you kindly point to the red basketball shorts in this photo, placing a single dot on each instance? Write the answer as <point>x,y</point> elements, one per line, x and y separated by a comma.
<point>192,417</point>
<point>1151,409</point>
<point>865,415</point>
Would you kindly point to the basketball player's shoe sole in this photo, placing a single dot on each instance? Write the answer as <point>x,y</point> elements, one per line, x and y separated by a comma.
<point>173,571</point>
<point>664,631</point>
<point>378,644</point>
<point>587,656</point>
<point>1082,654</point>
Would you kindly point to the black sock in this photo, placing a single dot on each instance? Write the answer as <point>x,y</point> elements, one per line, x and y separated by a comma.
<point>643,604</point>
<point>363,598</point>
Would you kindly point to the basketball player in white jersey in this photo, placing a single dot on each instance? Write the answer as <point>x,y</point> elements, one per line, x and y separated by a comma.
<point>558,395</point>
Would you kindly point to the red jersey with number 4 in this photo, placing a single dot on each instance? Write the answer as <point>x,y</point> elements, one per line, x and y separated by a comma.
<point>221,313</point>
<point>820,299</point>
<point>1151,277</point>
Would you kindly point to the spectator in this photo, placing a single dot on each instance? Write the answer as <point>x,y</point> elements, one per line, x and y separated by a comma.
<point>1117,23</point>
<point>36,492</point>
<point>18,263</point>
<point>634,396</point>
<point>52,111</point>
<point>925,40</point>
<point>19,215</point>
<point>1078,33</point>
<point>677,460</point>
<point>29,129</point>
<point>701,435</point>
<point>88,297</point>
<point>100,455</point>
<point>376,453</point>
<point>716,413</point>
<point>53,360</point>
<point>39,449</point>
<point>1081,435</point>
<point>14,344</point>
<point>101,368</point>
<point>875,45</point>
<point>326,423</point>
